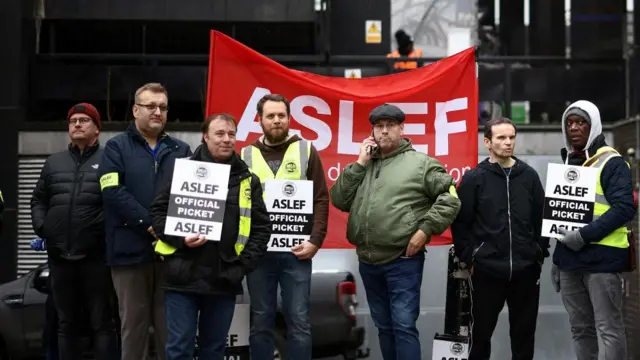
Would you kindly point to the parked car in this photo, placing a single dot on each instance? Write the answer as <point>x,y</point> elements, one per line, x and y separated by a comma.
<point>333,320</point>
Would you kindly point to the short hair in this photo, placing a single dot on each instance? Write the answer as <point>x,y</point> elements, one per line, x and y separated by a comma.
<point>274,98</point>
<point>488,126</point>
<point>156,88</point>
<point>220,116</point>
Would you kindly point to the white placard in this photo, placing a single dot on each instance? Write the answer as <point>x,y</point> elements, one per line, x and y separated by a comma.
<point>290,207</point>
<point>570,195</point>
<point>449,350</point>
<point>239,330</point>
<point>197,199</point>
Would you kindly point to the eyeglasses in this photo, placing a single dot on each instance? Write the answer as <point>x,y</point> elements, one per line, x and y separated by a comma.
<point>153,107</point>
<point>82,121</point>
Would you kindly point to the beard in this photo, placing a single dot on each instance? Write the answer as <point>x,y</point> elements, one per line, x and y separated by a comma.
<point>275,138</point>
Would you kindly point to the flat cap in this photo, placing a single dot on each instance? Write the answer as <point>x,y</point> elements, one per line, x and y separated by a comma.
<point>386,111</point>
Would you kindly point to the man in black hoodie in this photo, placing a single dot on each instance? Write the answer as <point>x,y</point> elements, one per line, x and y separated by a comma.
<point>497,234</point>
<point>202,277</point>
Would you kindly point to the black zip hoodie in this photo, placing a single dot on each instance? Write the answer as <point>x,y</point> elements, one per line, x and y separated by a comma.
<point>498,227</point>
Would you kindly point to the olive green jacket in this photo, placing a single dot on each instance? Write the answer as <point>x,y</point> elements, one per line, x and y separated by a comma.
<point>390,198</point>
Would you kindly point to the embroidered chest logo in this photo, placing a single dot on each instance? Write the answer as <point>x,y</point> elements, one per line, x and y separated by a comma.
<point>290,167</point>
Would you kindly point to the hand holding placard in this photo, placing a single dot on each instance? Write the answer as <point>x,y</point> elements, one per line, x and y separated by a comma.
<point>196,240</point>
<point>572,239</point>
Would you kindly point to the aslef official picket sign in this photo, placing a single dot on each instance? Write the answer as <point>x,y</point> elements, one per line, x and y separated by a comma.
<point>447,347</point>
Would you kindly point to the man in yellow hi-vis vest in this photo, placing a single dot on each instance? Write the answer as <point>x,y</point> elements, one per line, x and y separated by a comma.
<point>202,277</point>
<point>588,261</point>
<point>274,157</point>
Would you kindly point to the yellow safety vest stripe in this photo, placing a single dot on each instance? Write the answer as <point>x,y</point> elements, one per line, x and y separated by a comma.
<point>244,224</point>
<point>619,237</point>
<point>295,162</point>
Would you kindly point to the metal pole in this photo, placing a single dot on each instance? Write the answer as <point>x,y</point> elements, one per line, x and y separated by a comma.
<point>526,21</point>
<point>628,48</point>
<point>567,28</point>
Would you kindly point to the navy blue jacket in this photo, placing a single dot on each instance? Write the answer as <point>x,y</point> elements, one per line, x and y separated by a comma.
<point>141,172</point>
<point>618,189</point>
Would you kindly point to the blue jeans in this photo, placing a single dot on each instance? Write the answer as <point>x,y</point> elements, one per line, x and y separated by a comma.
<point>393,294</point>
<point>181,312</point>
<point>294,277</point>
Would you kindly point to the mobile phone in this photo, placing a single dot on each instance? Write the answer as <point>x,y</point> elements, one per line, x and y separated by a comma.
<point>371,148</point>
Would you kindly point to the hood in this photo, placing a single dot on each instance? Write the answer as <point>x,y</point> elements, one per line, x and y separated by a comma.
<point>405,145</point>
<point>201,153</point>
<point>596,124</point>
<point>518,167</point>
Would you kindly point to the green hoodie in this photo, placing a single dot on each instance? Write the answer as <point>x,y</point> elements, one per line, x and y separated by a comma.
<point>390,198</point>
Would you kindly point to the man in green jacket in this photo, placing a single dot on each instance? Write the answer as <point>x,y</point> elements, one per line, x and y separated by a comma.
<point>397,198</point>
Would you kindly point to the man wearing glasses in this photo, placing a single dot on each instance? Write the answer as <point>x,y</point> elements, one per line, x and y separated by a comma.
<point>66,211</point>
<point>134,166</point>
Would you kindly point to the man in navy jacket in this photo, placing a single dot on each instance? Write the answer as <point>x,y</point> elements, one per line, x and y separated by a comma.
<point>588,261</point>
<point>134,166</point>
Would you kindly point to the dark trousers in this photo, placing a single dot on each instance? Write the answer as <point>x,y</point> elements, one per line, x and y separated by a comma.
<point>209,315</point>
<point>488,296</point>
<point>393,294</point>
<point>50,331</point>
<point>77,286</point>
<point>294,278</point>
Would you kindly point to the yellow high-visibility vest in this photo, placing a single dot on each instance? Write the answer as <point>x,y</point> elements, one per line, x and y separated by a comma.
<point>294,163</point>
<point>244,228</point>
<point>617,238</point>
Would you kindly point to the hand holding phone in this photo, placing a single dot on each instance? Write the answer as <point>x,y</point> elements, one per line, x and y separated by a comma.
<point>366,149</point>
<point>371,149</point>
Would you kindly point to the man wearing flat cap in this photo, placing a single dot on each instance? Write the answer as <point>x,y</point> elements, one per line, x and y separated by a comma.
<point>397,198</point>
<point>588,262</point>
<point>66,211</point>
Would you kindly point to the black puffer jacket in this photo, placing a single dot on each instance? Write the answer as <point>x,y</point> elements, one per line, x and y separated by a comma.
<point>66,206</point>
<point>214,268</point>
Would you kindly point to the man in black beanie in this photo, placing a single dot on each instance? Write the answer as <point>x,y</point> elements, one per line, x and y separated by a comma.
<point>405,49</point>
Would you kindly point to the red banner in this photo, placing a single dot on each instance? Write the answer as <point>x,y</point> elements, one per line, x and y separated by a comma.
<point>440,101</point>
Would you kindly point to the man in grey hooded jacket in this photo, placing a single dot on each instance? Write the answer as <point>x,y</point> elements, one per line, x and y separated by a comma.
<point>588,261</point>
